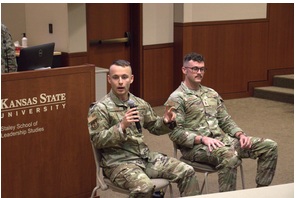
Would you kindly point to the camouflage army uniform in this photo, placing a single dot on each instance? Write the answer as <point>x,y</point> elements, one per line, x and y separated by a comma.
<point>126,159</point>
<point>202,112</point>
<point>10,58</point>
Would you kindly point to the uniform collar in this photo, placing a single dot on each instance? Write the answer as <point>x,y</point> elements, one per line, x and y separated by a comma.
<point>118,102</point>
<point>200,91</point>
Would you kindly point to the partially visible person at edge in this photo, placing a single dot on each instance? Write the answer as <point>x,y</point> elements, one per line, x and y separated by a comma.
<point>8,59</point>
<point>206,133</point>
<point>126,159</point>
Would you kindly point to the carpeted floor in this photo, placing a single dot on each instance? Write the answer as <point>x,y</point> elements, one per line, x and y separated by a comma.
<point>257,117</point>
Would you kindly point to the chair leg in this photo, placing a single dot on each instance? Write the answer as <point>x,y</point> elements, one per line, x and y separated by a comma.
<point>205,183</point>
<point>206,179</point>
<point>242,176</point>
<point>171,190</point>
<point>94,191</point>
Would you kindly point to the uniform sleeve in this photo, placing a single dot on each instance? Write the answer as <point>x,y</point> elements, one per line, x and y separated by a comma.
<point>153,123</point>
<point>179,135</point>
<point>101,133</point>
<point>225,121</point>
<point>9,51</point>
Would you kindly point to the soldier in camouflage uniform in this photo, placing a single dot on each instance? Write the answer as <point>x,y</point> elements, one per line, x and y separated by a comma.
<point>126,159</point>
<point>7,51</point>
<point>206,133</point>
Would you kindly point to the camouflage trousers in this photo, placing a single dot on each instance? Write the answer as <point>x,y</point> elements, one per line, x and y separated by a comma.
<point>137,179</point>
<point>226,158</point>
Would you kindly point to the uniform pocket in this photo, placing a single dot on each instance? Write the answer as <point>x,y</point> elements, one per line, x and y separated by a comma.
<point>124,170</point>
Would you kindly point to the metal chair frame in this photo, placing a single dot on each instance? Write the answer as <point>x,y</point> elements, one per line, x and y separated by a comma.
<point>206,169</point>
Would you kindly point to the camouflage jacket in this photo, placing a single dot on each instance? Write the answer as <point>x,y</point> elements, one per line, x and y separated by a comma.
<point>119,146</point>
<point>7,52</point>
<point>200,112</point>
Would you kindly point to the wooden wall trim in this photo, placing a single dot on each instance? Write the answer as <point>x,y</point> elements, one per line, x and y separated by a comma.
<point>76,54</point>
<point>72,59</point>
<point>158,46</point>
<point>221,22</point>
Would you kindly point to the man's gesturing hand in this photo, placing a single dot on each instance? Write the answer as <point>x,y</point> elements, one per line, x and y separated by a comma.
<point>169,115</point>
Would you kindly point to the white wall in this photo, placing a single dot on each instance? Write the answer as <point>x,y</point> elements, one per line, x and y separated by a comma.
<point>14,17</point>
<point>69,24</point>
<point>39,16</point>
<point>77,28</point>
<point>200,12</point>
<point>158,23</point>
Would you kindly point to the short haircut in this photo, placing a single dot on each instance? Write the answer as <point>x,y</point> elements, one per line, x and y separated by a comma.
<point>121,62</point>
<point>193,56</point>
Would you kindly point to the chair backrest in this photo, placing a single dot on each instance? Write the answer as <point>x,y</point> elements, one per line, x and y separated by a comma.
<point>98,157</point>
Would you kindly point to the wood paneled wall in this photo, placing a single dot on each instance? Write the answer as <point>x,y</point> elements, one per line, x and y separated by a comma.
<point>158,73</point>
<point>235,54</point>
<point>281,36</point>
<point>238,52</point>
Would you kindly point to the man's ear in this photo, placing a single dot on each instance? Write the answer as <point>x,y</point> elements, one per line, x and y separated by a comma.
<point>109,80</point>
<point>184,70</point>
<point>132,79</point>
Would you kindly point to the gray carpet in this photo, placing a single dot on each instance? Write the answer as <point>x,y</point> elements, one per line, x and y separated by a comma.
<point>257,117</point>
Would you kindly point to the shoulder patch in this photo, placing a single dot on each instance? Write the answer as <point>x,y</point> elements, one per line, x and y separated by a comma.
<point>93,121</point>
